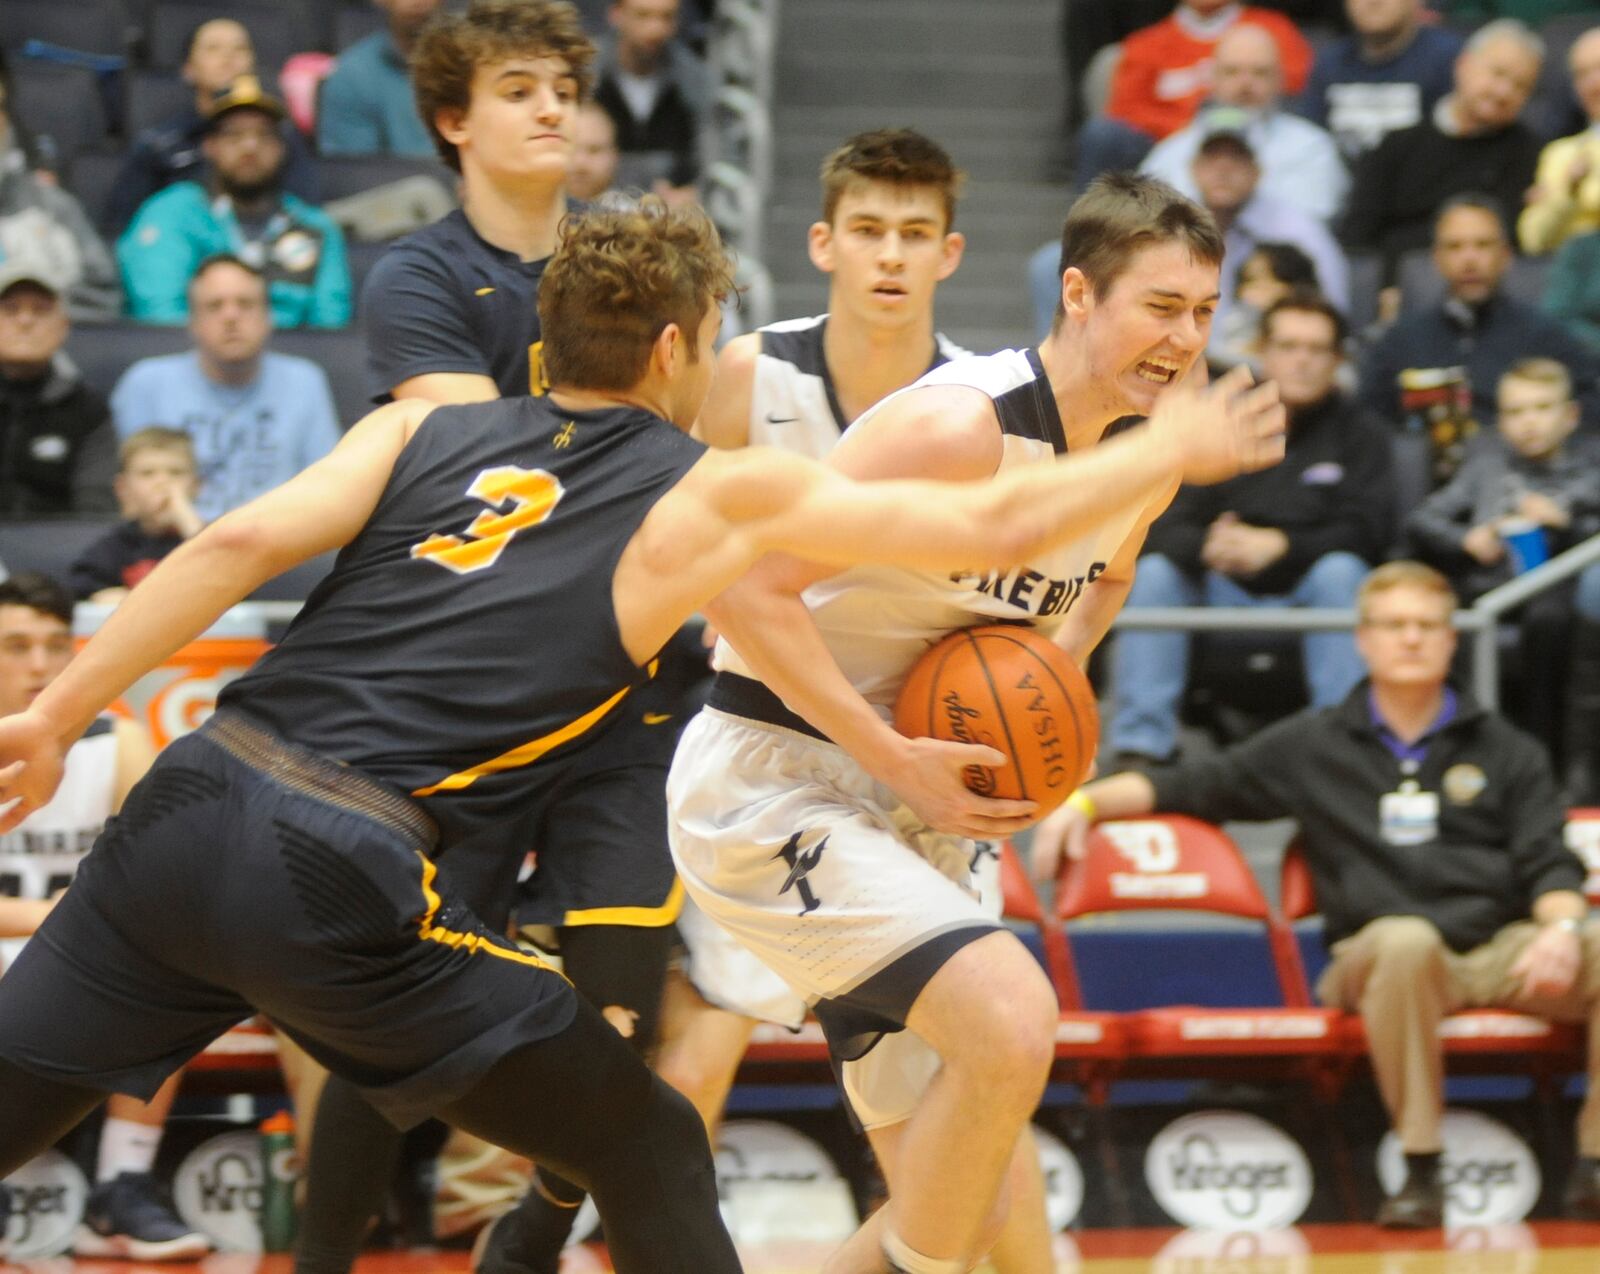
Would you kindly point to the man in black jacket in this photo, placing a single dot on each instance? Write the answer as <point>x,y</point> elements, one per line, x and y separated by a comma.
<point>1432,829</point>
<point>1302,534</point>
<point>1476,326</point>
<point>58,450</point>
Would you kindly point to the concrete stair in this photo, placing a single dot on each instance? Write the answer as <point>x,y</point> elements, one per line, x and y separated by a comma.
<point>981,77</point>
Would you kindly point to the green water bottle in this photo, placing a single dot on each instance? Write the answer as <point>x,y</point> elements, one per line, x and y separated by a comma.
<point>277,1183</point>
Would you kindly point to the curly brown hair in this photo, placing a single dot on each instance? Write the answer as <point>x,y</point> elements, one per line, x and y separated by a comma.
<point>453,46</point>
<point>899,156</point>
<point>618,278</point>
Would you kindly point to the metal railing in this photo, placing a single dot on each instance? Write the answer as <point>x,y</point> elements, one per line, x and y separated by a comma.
<point>1479,623</point>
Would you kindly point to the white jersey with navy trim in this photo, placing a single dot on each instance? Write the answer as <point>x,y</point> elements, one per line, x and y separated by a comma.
<point>793,405</point>
<point>878,620</point>
<point>40,856</point>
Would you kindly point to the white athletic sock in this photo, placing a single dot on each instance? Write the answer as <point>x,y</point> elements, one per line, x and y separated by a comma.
<point>127,1147</point>
<point>909,1261</point>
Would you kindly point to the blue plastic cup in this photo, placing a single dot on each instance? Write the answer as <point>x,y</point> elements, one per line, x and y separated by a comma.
<point>1527,542</point>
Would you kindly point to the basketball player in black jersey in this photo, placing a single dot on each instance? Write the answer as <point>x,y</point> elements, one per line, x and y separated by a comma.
<point>508,572</point>
<point>451,317</point>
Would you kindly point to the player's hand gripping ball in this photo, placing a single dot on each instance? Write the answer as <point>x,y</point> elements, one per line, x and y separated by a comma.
<point>1015,690</point>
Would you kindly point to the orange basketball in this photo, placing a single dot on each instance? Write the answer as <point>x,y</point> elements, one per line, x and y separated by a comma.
<point>1013,689</point>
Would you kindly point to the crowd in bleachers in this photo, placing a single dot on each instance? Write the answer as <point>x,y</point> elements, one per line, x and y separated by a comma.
<point>1429,169</point>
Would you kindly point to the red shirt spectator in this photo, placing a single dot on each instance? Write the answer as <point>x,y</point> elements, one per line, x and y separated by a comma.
<point>1165,71</point>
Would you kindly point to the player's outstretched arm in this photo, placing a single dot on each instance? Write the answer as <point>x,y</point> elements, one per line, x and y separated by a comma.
<point>318,510</point>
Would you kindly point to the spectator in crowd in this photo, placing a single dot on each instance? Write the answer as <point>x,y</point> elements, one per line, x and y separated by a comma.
<point>1582,691</point>
<point>1228,178</point>
<point>1472,141</point>
<point>128,1214</point>
<point>1476,326</point>
<point>156,489</point>
<point>218,53</point>
<point>255,418</point>
<point>41,221</point>
<point>1572,288</point>
<point>1386,76</point>
<point>1533,12</point>
<point>1271,272</point>
<point>657,92</point>
<point>58,451</point>
<point>1300,164</point>
<point>592,166</point>
<point>242,208</point>
<point>1300,534</point>
<point>1432,828</point>
<point>1525,480</point>
<point>1164,74</point>
<point>366,106</point>
<point>1565,199</point>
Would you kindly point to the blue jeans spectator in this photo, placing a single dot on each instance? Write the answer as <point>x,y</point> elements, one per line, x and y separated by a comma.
<point>1151,667</point>
<point>1044,287</point>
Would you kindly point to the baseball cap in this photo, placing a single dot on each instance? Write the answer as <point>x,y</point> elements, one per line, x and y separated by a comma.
<point>1224,127</point>
<point>20,268</point>
<point>246,91</point>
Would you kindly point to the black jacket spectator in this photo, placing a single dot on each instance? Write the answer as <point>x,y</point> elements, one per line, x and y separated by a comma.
<point>119,559</point>
<point>1328,769</point>
<point>1485,339</point>
<point>1332,493</point>
<point>1400,184</point>
<point>58,450</point>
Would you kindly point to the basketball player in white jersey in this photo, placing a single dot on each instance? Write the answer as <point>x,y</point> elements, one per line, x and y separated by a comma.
<point>885,240</point>
<point>127,1215</point>
<point>839,851</point>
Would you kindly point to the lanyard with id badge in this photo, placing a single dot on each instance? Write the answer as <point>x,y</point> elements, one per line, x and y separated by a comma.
<point>1408,815</point>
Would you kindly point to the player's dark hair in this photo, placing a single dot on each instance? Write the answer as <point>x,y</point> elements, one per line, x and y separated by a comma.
<point>1307,300</point>
<point>618,278</point>
<point>899,156</point>
<point>224,258</point>
<point>37,592</point>
<point>452,46</point>
<point>1120,214</point>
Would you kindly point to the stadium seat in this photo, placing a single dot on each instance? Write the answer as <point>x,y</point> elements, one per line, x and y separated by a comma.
<point>343,175</point>
<point>49,545</point>
<point>151,98</point>
<point>1176,863</point>
<point>351,24</point>
<point>343,356</point>
<point>277,30</point>
<point>63,103</point>
<point>103,351</point>
<point>1535,1043</point>
<point>1421,286</point>
<point>91,176</point>
<point>89,26</point>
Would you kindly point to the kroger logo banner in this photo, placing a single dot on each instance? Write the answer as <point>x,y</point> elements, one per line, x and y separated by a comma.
<point>47,1198</point>
<point>1490,1176</point>
<point>1226,1170</point>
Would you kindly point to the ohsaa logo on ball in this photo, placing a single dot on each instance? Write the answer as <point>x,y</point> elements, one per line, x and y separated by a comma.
<point>47,1198</point>
<point>1259,1251</point>
<point>1063,1179</point>
<point>776,1184</point>
<point>1490,1175</point>
<point>217,1189</point>
<point>1226,1170</point>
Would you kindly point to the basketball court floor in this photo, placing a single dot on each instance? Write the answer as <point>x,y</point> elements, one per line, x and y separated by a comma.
<point>1552,1247</point>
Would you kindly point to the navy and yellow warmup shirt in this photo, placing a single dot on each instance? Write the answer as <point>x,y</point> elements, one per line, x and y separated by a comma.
<point>446,300</point>
<point>465,643</point>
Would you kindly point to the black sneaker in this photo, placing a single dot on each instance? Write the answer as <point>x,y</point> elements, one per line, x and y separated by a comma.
<point>499,1249</point>
<point>1418,1205</point>
<point>132,1216</point>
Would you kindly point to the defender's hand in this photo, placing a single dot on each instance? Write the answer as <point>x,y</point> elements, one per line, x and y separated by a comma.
<point>1064,830</point>
<point>31,761</point>
<point>929,775</point>
<point>1232,427</point>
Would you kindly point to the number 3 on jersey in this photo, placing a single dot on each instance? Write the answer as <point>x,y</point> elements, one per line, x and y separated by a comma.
<point>533,493</point>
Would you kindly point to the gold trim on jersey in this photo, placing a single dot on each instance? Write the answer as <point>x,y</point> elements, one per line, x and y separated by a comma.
<point>528,753</point>
<point>472,943</point>
<point>637,917</point>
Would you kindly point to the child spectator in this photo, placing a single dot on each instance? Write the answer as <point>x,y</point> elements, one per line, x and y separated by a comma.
<point>1524,479</point>
<point>156,487</point>
<point>1271,272</point>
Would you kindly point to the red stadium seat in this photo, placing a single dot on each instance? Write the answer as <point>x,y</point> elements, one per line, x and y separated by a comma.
<point>1475,1033</point>
<point>1172,862</point>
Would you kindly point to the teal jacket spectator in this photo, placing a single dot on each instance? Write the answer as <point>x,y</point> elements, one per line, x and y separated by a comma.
<point>366,107</point>
<point>299,249</point>
<point>1572,293</point>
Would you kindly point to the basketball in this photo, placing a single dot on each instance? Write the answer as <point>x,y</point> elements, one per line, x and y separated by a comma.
<point>1015,690</point>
